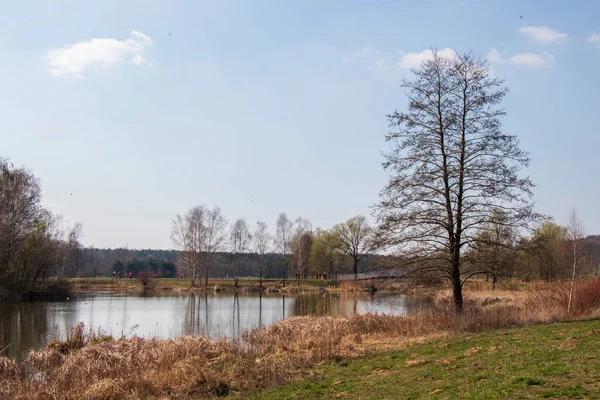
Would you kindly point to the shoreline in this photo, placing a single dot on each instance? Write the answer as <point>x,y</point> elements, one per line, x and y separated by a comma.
<point>245,285</point>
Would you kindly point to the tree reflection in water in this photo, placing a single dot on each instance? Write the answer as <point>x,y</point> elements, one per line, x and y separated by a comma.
<point>24,326</point>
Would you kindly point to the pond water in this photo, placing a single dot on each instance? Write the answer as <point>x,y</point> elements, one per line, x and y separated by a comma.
<point>25,326</point>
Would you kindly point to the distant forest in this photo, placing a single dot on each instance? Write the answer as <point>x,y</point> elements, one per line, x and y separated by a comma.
<point>91,262</point>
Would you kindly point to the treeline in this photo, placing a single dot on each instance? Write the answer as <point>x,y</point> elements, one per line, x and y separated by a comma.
<point>93,262</point>
<point>499,253</point>
<point>296,251</point>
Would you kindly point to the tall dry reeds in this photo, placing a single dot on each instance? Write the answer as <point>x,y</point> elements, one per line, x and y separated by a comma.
<point>92,366</point>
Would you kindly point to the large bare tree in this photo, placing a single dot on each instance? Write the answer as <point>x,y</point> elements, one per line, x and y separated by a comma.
<point>240,240</point>
<point>262,244</point>
<point>282,240</point>
<point>451,166</point>
<point>355,239</point>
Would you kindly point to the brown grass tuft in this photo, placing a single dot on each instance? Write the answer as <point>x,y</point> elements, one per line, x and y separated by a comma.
<point>9,369</point>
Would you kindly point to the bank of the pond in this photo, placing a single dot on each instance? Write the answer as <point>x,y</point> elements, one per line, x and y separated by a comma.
<point>89,366</point>
<point>87,285</point>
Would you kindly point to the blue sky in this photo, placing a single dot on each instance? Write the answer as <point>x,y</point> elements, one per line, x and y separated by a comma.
<point>263,107</point>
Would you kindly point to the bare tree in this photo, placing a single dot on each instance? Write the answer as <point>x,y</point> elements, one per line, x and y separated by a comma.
<point>494,252</point>
<point>262,244</point>
<point>576,233</point>
<point>282,240</point>
<point>356,239</point>
<point>189,236</point>
<point>451,166</point>
<point>239,240</point>
<point>214,239</point>
<point>300,243</point>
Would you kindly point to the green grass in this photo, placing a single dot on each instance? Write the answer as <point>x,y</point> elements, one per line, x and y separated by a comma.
<point>557,361</point>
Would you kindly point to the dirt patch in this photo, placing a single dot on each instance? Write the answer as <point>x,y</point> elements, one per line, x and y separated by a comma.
<point>569,344</point>
<point>472,350</point>
<point>412,363</point>
<point>446,361</point>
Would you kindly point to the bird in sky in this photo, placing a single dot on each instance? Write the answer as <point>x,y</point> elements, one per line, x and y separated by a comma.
<point>172,35</point>
<point>521,17</point>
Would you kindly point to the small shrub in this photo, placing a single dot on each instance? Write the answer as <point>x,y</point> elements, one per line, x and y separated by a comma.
<point>145,278</point>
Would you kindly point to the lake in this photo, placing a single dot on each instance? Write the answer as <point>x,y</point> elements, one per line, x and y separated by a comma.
<point>25,326</point>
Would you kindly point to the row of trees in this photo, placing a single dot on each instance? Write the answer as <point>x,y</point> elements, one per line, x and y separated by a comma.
<point>203,233</point>
<point>33,244</point>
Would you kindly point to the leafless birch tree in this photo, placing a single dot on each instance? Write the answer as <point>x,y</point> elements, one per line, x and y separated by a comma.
<point>198,235</point>
<point>262,244</point>
<point>300,243</point>
<point>239,241</point>
<point>282,240</point>
<point>189,236</point>
<point>576,232</point>
<point>214,239</point>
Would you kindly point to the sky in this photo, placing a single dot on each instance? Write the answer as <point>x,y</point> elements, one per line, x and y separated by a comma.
<point>131,112</point>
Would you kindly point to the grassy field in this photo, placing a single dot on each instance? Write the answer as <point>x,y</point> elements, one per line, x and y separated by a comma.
<point>560,360</point>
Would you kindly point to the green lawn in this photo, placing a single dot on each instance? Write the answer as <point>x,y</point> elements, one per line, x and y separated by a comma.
<point>556,361</point>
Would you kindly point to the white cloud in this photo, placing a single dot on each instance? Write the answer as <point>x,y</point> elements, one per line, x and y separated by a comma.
<point>139,60</point>
<point>543,34</point>
<point>594,38</point>
<point>76,58</point>
<point>525,60</point>
<point>414,60</point>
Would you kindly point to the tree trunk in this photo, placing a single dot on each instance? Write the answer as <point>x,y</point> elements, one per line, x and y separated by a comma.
<point>355,267</point>
<point>573,277</point>
<point>457,284</point>
<point>284,271</point>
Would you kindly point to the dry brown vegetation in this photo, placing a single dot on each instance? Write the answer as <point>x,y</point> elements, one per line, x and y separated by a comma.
<point>93,366</point>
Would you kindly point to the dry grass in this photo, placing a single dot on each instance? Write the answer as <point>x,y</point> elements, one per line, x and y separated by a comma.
<point>93,366</point>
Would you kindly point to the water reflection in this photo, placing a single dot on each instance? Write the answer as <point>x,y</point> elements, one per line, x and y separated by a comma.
<point>25,326</point>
